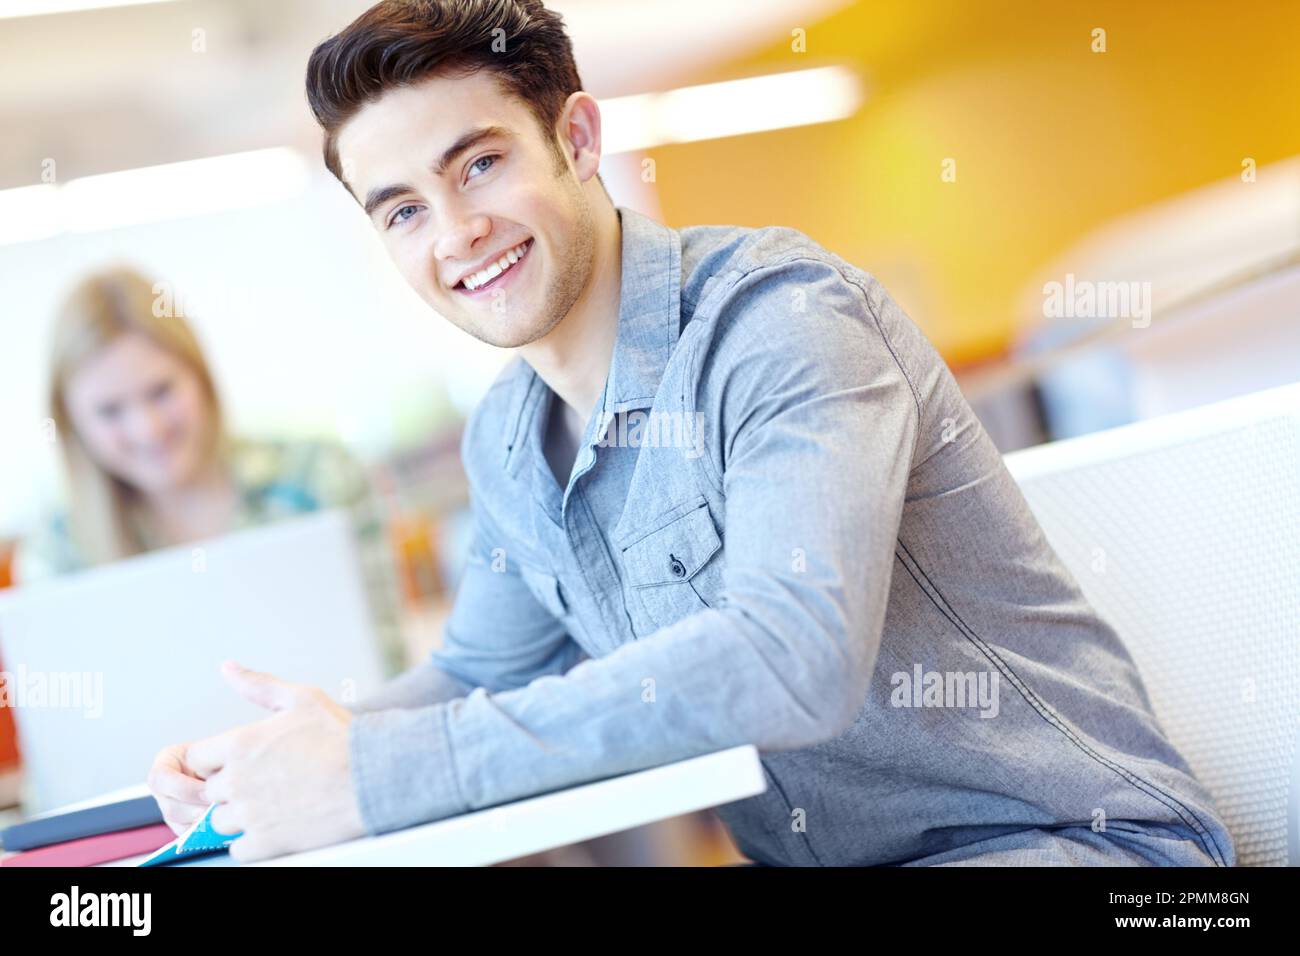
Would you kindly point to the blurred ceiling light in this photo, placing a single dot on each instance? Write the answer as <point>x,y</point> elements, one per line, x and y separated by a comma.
<point>193,188</point>
<point>202,186</point>
<point>152,194</point>
<point>29,213</point>
<point>730,108</point>
<point>36,8</point>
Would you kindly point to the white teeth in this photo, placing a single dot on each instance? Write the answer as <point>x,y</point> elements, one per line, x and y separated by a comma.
<point>510,257</point>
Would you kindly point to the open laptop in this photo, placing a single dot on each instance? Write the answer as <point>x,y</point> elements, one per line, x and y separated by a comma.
<point>107,666</point>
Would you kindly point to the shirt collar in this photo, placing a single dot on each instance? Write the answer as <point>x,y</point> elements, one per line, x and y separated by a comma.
<point>649,323</point>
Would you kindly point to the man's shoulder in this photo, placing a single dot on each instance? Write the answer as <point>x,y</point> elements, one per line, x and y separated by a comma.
<point>777,290</point>
<point>773,296</point>
<point>735,254</point>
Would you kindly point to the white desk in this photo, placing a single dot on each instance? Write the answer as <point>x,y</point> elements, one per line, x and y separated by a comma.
<point>551,820</point>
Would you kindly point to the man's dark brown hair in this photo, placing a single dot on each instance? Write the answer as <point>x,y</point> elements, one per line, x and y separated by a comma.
<point>402,42</point>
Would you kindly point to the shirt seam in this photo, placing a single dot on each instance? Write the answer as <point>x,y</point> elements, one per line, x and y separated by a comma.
<point>693,383</point>
<point>1050,716</point>
<point>444,722</point>
<point>803,834</point>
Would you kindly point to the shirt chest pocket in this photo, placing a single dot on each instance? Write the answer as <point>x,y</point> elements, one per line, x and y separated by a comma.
<point>547,591</point>
<point>675,569</point>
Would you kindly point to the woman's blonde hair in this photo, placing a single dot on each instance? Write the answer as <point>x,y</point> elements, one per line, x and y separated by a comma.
<point>102,308</point>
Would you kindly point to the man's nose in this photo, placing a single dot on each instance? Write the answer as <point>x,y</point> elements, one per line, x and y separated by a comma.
<point>457,237</point>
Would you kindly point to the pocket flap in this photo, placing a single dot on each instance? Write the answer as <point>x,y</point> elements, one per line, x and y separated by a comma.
<point>546,589</point>
<point>673,553</point>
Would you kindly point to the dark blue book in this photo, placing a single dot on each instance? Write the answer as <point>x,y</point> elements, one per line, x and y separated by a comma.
<point>76,824</point>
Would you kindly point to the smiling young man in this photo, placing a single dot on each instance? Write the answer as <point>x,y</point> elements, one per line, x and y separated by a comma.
<point>816,550</point>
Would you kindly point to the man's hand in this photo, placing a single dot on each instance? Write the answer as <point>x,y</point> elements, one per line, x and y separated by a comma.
<point>178,790</point>
<point>284,782</point>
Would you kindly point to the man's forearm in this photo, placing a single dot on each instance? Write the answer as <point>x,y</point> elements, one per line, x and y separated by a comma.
<point>422,685</point>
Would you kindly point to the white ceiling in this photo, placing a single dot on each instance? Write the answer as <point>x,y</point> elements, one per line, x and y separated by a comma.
<point>112,89</point>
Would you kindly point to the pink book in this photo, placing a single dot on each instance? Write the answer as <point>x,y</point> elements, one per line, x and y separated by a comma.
<point>89,851</point>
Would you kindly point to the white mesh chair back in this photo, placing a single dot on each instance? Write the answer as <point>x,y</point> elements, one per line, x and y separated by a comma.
<point>1184,532</point>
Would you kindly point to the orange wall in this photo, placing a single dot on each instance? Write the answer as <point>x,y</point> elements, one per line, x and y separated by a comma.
<point>8,733</point>
<point>1050,139</point>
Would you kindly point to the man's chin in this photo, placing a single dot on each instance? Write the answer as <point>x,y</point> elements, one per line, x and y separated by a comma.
<point>508,336</point>
<point>499,338</point>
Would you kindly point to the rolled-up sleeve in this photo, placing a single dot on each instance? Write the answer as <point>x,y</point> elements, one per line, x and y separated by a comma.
<point>421,685</point>
<point>812,426</point>
<point>497,638</point>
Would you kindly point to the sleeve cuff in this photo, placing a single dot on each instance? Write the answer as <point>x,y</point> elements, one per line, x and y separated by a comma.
<point>403,772</point>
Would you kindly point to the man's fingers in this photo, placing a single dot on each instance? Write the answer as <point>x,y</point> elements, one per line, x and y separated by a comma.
<point>252,847</point>
<point>228,819</point>
<point>246,850</point>
<point>265,690</point>
<point>218,789</point>
<point>177,791</point>
<point>165,782</point>
<point>205,757</point>
<point>181,816</point>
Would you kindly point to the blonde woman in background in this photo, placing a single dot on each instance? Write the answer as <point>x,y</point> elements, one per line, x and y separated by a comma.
<point>149,463</point>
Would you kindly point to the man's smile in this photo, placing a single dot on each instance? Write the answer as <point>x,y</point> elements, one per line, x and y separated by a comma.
<point>497,274</point>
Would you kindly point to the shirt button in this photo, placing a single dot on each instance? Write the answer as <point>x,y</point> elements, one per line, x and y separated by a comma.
<point>676,567</point>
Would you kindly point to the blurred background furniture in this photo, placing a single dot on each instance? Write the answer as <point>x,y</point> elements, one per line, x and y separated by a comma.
<point>10,781</point>
<point>1184,532</point>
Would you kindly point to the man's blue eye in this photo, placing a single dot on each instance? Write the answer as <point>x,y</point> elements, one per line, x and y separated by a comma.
<point>482,159</point>
<point>398,217</point>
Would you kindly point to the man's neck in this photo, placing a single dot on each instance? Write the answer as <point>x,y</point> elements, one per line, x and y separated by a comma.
<point>574,358</point>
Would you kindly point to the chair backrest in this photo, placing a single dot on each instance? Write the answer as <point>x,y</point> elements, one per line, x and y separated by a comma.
<point>1184,533</point>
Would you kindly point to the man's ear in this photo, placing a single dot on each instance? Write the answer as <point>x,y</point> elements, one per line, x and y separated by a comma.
<point>580,133</point>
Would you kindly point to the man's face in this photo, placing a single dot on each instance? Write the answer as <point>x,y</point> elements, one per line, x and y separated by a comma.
<point>450,229</point>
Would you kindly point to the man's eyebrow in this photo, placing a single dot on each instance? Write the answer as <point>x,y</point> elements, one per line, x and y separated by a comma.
<point>465,142</point>
<point>377,197</point>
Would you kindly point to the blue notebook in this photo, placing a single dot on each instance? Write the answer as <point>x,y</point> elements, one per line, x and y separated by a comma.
<point>199,840</point>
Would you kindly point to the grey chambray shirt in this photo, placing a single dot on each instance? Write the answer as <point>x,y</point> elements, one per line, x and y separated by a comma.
<point>793,527</point>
